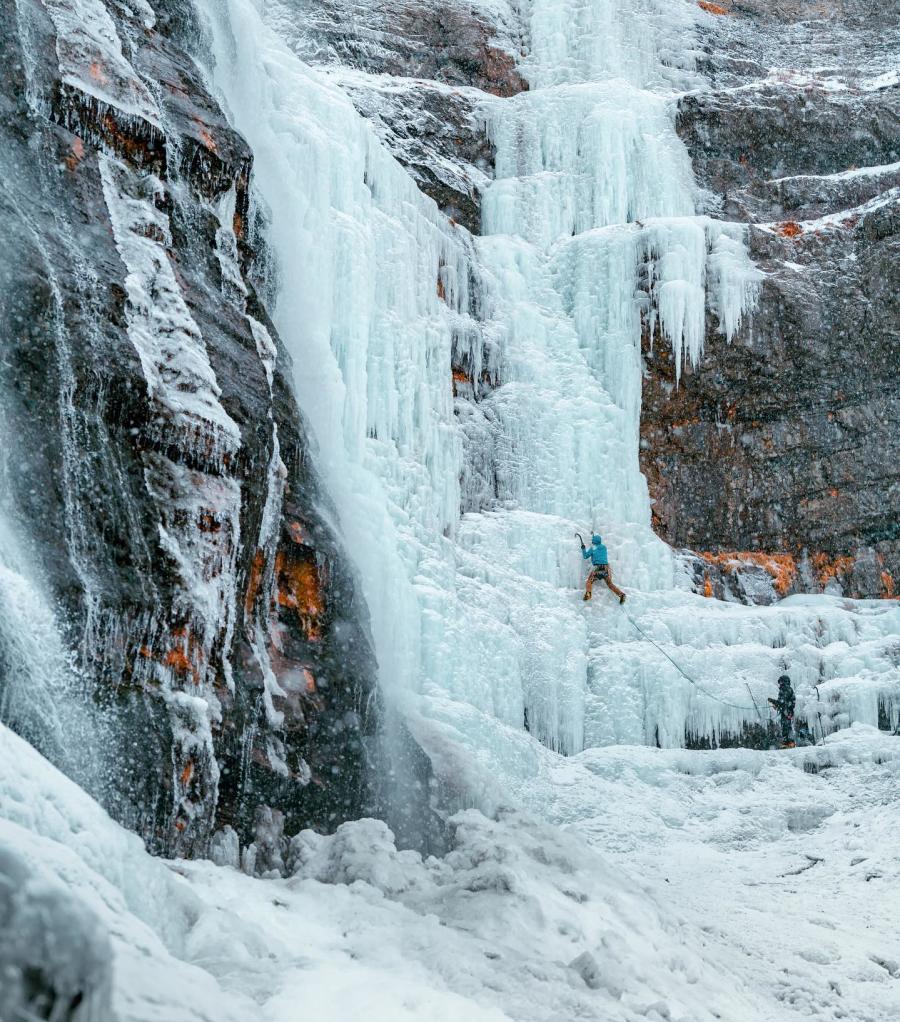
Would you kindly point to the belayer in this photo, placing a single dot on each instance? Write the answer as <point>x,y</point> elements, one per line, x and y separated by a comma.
<point>784,707</point>
<point>600,569</point>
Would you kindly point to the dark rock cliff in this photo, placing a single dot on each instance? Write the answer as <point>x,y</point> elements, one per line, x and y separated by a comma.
<point>155,454</point>
<point>777,458</point>
<point>418,69</point>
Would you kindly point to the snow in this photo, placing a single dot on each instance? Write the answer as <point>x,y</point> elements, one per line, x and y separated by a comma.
<point>735,885</point>
<point>890,197</point>
<point>886,80</point>
<point>881,170</point>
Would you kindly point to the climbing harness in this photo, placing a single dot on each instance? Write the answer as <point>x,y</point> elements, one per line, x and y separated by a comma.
<point>684,674</point>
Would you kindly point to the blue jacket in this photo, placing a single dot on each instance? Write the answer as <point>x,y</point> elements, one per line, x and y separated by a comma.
<point>596,552</point>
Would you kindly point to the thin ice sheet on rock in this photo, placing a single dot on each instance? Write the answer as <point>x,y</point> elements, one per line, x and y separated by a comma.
<point>91,59</point>
<point>165,335</point>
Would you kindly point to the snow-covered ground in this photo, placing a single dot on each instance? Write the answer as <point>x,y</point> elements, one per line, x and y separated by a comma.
<point>662,884</point>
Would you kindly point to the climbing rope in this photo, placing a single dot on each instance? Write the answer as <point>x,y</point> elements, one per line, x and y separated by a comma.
<point>681,671</point>
<point>684,674</point>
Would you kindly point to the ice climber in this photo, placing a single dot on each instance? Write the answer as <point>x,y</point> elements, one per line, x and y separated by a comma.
<point>784,707</point>
<point>600,568</point>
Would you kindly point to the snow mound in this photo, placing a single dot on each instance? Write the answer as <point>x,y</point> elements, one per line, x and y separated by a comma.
<point>518,920</point>
<point>54,951</point>
<point>97,926</point>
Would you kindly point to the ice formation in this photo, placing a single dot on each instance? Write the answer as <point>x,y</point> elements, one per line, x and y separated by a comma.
<point>90,56</point>
<point>35,661</point>
<point>589,227</point>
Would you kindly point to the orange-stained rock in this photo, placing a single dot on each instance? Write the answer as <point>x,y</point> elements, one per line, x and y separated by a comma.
<point>205,135</point>
<point>299,588</point>
<point>97,73</point>
<point>187,773</point>
<point>828,568</point>
<point>887,582</point>
<point>782,567</point>
<point>183,656</point>
<point>712,8</point>
<point>789,229</point>
<point>76,155</point>
<point>135,149</point>
<point>253,582</point>
<point>179,661</point>
<point>297,533</point>
<point>501,72</point>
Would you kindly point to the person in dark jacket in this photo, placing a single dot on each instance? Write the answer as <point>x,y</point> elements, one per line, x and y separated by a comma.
<point>784,707</point>
<point>600,568</point>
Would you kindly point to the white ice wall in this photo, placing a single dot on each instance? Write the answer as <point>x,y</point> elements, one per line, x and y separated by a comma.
<point>479,620</point>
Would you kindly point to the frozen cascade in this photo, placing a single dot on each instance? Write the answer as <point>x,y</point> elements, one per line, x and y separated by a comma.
<point>589,226</point>
<point>42,693</point>
<point>34,661</point>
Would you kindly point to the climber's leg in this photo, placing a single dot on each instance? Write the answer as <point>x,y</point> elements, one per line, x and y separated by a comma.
<point>589,585</point>
<point>607,578</point>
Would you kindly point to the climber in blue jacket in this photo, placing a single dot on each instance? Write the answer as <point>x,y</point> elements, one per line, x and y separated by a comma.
<point>600,568</point>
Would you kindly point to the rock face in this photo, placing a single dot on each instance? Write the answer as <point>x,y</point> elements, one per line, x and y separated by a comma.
<point>419,70</point>
<point>777,457</point>
<point>154,450</point>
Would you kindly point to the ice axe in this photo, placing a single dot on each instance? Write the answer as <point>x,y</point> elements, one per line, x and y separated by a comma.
<point>580,539</point>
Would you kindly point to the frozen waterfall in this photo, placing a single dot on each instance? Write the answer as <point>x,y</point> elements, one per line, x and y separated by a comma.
<point>589,230</point>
